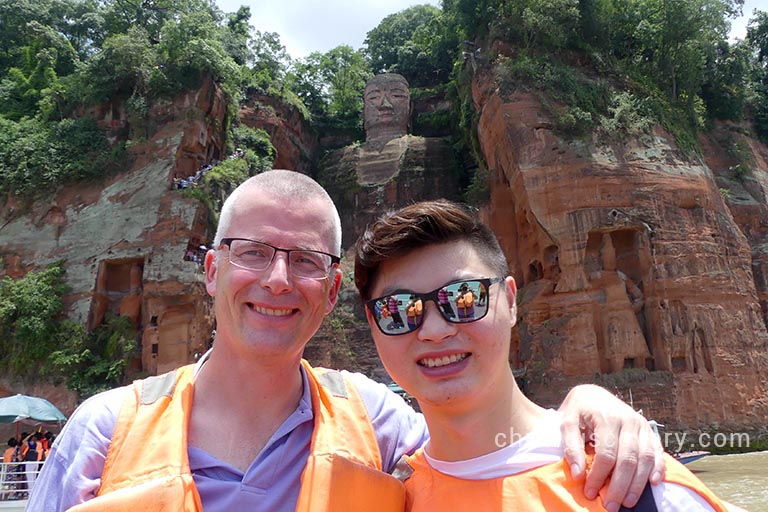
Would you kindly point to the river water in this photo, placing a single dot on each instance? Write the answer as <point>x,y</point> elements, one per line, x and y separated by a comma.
<point>741,479</point>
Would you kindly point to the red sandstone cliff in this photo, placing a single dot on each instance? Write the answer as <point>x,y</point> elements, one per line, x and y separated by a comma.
<point>635,272</point>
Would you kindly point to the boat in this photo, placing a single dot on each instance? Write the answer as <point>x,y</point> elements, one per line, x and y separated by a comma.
<point>688,457</point>
<point>14,488</point>
<point>682,457</point>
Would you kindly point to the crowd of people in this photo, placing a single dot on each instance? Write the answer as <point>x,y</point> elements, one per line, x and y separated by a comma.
<point>22,460</point>
<point>193,180</point>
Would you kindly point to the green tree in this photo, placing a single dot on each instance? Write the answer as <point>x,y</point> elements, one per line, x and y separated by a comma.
<point>331,84</point>
<point>271,60</point>
<point>37,156</point>
<point>95,361</point>
<point>725,90</point>
<point>30,308</point>
<point>757,38</point>
<point>125,65</point>
<point>345,71</point>
<point>236,34</point>
<point>412,43</point>
<point>191,47</point>
<point>677,37</point>
<point>151,15</point>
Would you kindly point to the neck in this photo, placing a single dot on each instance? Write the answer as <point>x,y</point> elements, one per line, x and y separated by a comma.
<point>251,400</point>
<point>461,433</point>
<point>267,384</point>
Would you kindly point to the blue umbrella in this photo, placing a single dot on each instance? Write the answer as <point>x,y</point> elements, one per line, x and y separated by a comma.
<point>29,409</point>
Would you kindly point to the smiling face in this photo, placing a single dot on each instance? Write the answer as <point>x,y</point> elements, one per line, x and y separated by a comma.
<point>444,363</point>
<point>270,314</point>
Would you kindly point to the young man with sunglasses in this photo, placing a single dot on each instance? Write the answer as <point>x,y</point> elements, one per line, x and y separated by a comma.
<point>252,426</point>
<point>491,448</point>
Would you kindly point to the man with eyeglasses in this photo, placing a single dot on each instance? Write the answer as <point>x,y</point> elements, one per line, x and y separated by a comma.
<point>252,426</point>
<point>491,448</point>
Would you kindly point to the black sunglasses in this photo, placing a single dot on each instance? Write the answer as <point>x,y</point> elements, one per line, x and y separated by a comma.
<point>459,302</point>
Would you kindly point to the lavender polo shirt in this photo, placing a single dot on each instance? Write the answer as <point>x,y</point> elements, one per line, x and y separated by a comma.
<point>72,472</point>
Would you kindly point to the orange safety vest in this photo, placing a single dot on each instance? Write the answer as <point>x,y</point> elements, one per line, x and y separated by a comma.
<point>541,489</point>
<point>147,460</point>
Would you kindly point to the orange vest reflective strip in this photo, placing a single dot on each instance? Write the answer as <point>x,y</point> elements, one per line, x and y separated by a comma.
<point>542,489</point>
<point>147,460</point>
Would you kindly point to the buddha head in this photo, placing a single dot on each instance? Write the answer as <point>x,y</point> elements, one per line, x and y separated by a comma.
<point>387,102</point>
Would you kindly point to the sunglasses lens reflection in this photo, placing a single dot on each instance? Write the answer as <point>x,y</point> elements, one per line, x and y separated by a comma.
<point>460,302</point>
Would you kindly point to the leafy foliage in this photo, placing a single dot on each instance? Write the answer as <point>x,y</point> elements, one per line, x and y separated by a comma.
<point>413,42</point>
<point>35,156</point>
<point>331,86</point>
<point>757,38</point>
<point>29,311</point>
<point>96,361</point>
<point>35,337</point>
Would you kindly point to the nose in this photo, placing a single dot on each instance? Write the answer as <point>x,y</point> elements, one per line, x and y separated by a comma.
<point>434,328</point>
<point>385,102</point>
<point>277,276</point>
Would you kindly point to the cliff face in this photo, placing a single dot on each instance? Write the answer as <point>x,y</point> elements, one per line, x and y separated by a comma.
<point>131,244</point>
<point>635,272</point>
<point>294,141</point>
<point>124,241</point>
<point>639,268</point>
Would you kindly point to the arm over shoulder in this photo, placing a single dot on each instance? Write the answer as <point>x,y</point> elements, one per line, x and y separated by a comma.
<point>72,472</point>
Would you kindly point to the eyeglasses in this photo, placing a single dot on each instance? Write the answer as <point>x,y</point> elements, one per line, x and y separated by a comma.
<point>460,302</point>
<point>302,263</point>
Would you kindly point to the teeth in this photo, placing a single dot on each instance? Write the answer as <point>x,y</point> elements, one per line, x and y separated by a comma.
<point>273,312</point>
<point>442,361</point>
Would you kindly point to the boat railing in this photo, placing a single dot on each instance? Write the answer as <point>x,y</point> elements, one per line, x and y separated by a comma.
<point>17,479</point>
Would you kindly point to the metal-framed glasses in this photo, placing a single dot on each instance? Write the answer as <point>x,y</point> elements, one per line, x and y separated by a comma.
<point>459,302</point>
<point>302,263</point>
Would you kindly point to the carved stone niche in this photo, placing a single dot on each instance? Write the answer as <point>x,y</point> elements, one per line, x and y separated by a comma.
<point>118,290</point>
<point>615,264</point>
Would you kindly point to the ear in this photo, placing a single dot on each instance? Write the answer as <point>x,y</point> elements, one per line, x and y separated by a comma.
<point>333,292</point>
<point>511,289</point>
<point>211,267</point>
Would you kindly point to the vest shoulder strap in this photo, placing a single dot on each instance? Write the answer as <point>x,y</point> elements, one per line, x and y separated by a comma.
<point>334,382</point>
<point>157,386</point>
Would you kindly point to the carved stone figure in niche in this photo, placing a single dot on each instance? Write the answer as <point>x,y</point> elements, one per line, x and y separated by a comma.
<point>387,107</point>
<point>621,343</point>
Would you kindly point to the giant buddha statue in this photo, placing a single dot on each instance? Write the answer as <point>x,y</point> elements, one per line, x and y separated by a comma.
<point>392,167</point>
<point>387,108</point>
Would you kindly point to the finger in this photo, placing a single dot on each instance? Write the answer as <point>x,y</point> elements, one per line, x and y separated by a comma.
<point>625,469</point>
<point>659,464</point>
<point>648,444</point>
<point>604,435</point>
<point>574,446</point>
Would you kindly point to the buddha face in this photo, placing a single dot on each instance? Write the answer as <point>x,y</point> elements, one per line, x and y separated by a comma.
<point>387,107</point>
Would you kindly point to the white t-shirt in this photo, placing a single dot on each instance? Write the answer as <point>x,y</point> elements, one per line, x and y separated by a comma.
<point>545,446</point>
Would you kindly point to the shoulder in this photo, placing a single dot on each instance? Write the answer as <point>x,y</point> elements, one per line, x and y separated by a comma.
<point>399,428</point>
<point>72,472</point>
<point>92,423</point>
